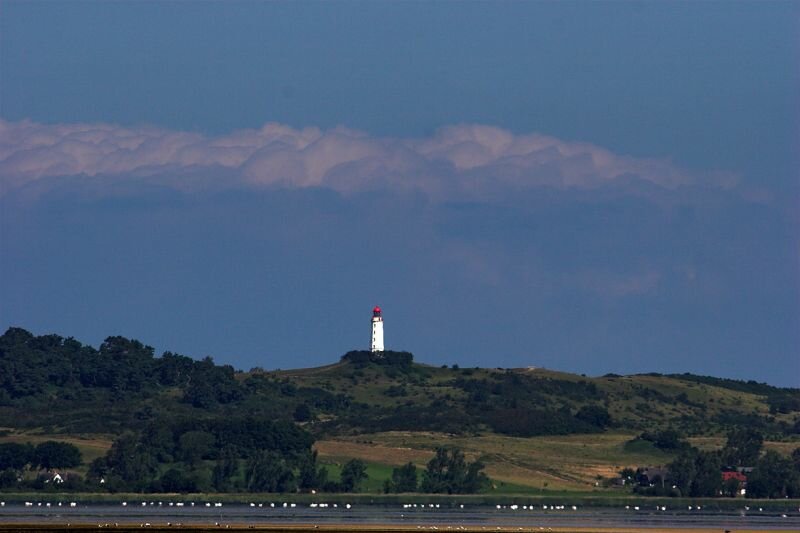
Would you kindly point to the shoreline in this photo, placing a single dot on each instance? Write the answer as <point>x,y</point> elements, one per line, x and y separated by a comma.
<point>591,500</point>
<point>363,528</point>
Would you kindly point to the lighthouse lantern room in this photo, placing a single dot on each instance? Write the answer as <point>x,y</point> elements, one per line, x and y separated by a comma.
<point>377,330</point>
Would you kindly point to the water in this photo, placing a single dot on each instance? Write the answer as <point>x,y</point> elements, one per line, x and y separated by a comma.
<point>244,514</point>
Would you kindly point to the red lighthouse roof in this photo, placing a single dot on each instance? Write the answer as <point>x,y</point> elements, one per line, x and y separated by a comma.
<point>377,310</point>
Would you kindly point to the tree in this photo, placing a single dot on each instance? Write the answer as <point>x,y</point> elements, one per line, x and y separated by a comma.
<point>669,439</point>
<point>796,459</point>
<point>268,472</point>
<point>132,363</point>
<point>15,456</point>
<point>175,480</point>
<point>475,478</point>
<point>627,474</point>
<point>210,384</point>
<point>404,479</point>
<point>443,471</point>
<point>697,474</point>
<point>8,478</point>
<point>707,480</point>
<point>54,454</point>
<point>200,394</point>
<point>309,477</point>
<point>773,477</point>
<point>129,461</point>
<point>302,413</point>
<point>743,447</point>
<point>594,415</point>
<point>173,369</point>
<point>226,468</point>
<point>194,445</point>
<point>159,441</point>
<point>448,472</point>
<point>98,469</point>
<point>731,487</point>
<point>353,473</point>
<point>682,471</point>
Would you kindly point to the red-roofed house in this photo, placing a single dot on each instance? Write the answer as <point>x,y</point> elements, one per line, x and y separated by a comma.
<point>738,476</point>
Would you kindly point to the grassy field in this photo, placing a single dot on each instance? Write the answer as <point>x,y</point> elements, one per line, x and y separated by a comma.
<point>643,401</point>
<point>515,465</point>
<point>557,463</point>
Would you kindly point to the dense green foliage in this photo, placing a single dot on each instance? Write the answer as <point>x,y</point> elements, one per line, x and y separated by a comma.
<point>698,473</point>
<point>55,455</point>
<point>665,439</point>
<point>774,476</point>
<point>15,456</point>
<point>271,451</point>
<point>64,386</point>
<point>362,358</point>
<point>404,479</point>
<point>354,472</point>
<point>743,447</point>
<point>449,472</point>
<point>49,455</point>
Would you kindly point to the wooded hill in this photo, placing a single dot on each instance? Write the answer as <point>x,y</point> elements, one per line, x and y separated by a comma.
<point>68,387</point>
<point>180,424</point>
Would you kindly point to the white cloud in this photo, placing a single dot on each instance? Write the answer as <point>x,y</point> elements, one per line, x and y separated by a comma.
<point>458,161</point>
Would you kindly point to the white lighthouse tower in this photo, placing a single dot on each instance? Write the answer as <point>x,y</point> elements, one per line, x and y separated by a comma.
<point>377,331</point>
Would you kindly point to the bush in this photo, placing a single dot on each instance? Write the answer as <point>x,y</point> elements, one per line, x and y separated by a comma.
<point>362,358</point>
<point>404,479</point>
<point>353,473</point>
<point>15,456</point>
<point>54,454</point>
<point>175,480</point>
<point>302,413</point>
<point>594,415</point>
<point>520,422</point>
<point>665,439</point>
<point>448,472</point>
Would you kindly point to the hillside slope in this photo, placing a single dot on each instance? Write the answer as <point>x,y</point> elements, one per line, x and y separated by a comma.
<point>532,427</point>
<point>65,386</point>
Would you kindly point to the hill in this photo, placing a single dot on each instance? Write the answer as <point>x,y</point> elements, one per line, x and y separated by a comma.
<point>532,427</point>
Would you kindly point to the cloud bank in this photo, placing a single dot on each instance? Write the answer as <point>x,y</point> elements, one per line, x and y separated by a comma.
<point>461,161</point>
<point>607,262</point>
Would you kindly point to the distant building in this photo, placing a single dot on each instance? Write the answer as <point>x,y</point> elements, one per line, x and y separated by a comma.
<point>377,331</point>
<point>652,475</point>
<point>738,476</point>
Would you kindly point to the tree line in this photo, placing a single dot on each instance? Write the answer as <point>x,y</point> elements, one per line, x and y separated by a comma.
<point>698,473</point>
<point>448,472</point>
<point>15,458</point>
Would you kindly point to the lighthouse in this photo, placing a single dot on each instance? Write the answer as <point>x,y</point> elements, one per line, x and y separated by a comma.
<point>377,331</point>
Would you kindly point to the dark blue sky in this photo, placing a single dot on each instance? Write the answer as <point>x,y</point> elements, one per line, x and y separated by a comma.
<point>594,187</point>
